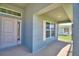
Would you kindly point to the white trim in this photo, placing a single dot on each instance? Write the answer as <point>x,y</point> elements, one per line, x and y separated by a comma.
<point>10,15</point>
<point>50,31</point>
<point>44,30</point>
<point>11,10</point>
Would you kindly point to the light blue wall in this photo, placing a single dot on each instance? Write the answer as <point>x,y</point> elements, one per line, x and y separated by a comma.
<point>27,30</point>
<point>75,29</point>
<point>33,29</point>
<point>38,42</point>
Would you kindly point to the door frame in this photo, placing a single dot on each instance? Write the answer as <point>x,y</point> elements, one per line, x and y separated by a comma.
<point>20,31</point>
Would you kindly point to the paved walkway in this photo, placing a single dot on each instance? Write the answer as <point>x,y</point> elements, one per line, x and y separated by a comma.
<point>52,50</point>
<point>64,51</point>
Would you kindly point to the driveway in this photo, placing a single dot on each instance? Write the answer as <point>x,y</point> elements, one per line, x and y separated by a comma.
<point>52,50</point>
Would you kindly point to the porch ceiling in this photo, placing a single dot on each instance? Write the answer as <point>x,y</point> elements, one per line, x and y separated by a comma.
<point>20,5</point>
<point>60,14</point>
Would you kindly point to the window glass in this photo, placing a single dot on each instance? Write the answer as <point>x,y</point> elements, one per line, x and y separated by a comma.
<point>66,30</point>
<point>52,26</point>
<point>19,14</point>
<point>0,9</point>
<point>47,25</point>
<point>47,29</point>
<point>47,34</point>
<point>3,10</point>
<point>9,12</point>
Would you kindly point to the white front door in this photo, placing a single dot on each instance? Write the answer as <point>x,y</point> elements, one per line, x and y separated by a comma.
<point>9,31</point>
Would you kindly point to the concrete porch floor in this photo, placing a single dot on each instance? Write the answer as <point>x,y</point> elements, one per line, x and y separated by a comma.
<point>52,50</point>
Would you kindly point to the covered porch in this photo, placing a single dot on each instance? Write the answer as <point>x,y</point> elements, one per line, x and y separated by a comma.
<point>40,30</point>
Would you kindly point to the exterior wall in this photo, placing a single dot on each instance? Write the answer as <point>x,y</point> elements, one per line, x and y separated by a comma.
<point>38,40</point>
<point>61,30</point>
<point>0,29</point>
<point>33,28</point>
<point>75,29</point>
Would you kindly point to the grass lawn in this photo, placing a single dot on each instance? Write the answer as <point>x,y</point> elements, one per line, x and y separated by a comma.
<point>66,38</point>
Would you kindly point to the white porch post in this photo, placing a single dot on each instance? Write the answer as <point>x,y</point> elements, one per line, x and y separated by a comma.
<point>56,31</point>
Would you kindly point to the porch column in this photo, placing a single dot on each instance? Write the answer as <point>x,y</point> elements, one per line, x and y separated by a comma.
<point>75,29</point>
<point>56,31</point>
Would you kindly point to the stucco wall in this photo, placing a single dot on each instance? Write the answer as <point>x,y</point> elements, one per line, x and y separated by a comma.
<point>75,31</point>
<point>33,28</point>
<point>38,40</point>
